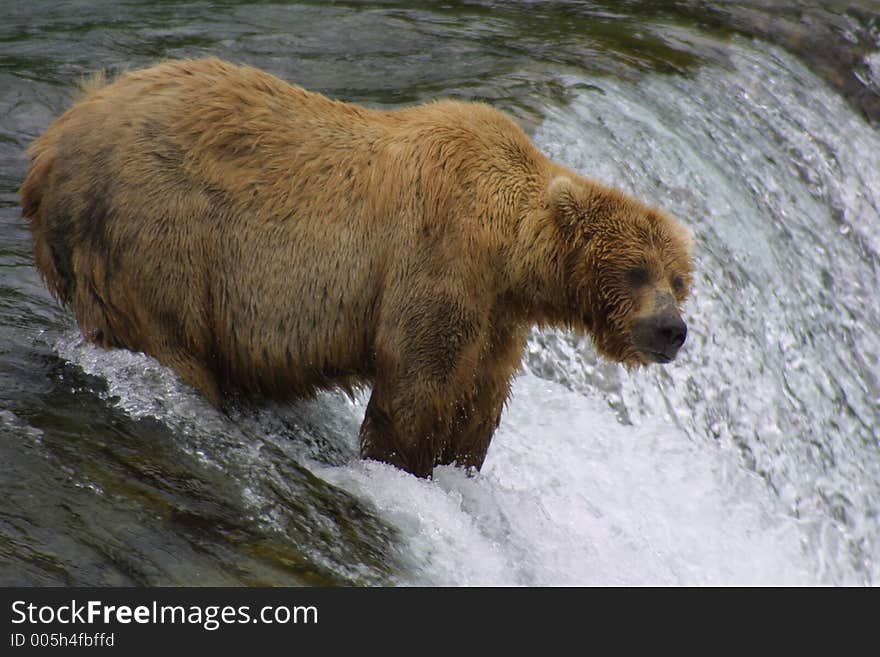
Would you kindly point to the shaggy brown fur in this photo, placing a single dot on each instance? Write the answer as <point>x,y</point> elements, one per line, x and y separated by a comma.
<point>261,239</point>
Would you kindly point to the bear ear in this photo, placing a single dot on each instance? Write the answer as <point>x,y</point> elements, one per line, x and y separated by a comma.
<point>562,201</point>
<point>686,235</point>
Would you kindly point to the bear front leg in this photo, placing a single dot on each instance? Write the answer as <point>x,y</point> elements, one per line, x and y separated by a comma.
<point>425,365</point>
<point>480,413</point>
<point>409,439</point>
<point>475,424</point>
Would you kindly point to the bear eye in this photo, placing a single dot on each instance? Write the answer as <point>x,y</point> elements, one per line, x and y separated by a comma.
<point>637,276</point>
<point>677,284</point>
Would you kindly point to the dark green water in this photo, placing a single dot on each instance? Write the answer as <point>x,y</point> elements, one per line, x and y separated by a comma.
<point>755,123</point>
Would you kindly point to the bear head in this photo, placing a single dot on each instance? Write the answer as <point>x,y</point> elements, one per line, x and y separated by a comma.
<point>627,271</point>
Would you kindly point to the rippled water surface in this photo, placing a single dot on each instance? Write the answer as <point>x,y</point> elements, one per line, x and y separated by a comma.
<point>755,458</point>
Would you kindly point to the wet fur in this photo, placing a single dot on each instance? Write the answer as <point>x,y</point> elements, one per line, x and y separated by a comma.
<point>268,241</point>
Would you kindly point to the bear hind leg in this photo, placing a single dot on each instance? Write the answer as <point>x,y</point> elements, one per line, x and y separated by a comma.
<point>195,374</point>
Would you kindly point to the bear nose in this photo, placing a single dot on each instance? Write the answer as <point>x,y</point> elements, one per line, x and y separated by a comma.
<point>670,332</point>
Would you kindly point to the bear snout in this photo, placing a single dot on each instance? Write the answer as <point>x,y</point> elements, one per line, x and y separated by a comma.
<point>658,337</point>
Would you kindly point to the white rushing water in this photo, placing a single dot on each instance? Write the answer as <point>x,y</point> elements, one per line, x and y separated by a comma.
<point>754,459</point>
<point>568,496</point>
<point>781,183</point>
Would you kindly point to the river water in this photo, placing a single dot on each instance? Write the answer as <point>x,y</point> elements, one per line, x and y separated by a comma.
<point>754,459</point>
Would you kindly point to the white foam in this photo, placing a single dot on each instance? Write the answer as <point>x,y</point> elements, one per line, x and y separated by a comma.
<point>569,496</point>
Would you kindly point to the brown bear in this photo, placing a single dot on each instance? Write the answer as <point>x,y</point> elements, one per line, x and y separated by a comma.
<point>266,241</point>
